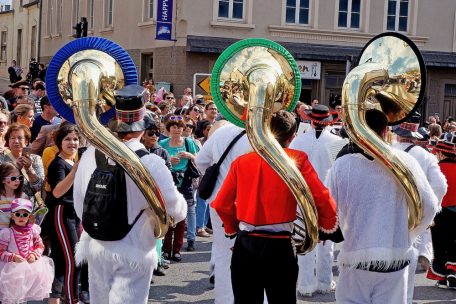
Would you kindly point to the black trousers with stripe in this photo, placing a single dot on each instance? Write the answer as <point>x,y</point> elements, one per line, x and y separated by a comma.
<point>63,244</point>
<point>261,264</point>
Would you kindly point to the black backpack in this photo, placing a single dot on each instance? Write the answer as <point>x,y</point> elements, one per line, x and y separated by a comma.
<point>105,214</point>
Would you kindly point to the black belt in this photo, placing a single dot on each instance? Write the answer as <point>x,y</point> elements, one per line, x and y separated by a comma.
<point>266,234</point>
<point>375,268</point>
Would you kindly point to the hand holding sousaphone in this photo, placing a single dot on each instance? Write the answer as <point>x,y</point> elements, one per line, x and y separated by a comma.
<point>252,79</point>
<point>81,80</point>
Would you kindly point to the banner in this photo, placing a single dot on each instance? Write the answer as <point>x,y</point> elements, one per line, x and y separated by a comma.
<point>164,20</point>
<point>309,69</point>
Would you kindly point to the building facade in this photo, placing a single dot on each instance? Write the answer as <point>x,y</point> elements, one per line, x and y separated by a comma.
<point>324,35</point>
<point>19,30</point>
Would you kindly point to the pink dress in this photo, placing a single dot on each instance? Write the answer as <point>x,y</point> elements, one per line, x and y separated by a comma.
<point>21,282</point>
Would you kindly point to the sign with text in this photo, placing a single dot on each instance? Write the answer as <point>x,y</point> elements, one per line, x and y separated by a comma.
<point>164,20</point>
<point>309,69</point>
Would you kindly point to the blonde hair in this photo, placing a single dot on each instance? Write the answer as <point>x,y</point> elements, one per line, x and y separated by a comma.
<point>21,110</point>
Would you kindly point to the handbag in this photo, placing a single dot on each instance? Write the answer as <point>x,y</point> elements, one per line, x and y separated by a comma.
<point>191,171</point>
<point>207,182</point>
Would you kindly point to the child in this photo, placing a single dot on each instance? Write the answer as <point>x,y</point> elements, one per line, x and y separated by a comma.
<point>11,181</point>
<point>25,275</point>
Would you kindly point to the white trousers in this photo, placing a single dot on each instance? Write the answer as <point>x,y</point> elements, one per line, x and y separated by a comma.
<point>113,282</point>
<point>221,257</point>
<point>366,287</point>
<point>315,269</point>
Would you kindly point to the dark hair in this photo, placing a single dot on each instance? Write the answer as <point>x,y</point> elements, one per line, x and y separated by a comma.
<point>178,123</point>
<point>5,170</point>
<point>45,102</point>
<point>210,103</point>
<point>283,126</point>
<point>204,123</point>
<point>65,129</point>
<point>39,86</point>
<point>377,121</point>
<point>17,127</point>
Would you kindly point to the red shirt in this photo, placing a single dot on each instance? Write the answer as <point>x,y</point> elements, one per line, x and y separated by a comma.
<point>254,193</point>
<point>448,168</point>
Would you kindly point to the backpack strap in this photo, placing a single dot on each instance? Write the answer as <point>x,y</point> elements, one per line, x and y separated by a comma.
<point>229,147</point>
<point>409,148</point>
<point>100,158</point>
<point>187,149</point>
<point>137,218</point>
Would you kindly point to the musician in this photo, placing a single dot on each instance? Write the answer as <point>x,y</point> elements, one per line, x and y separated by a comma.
<point>121,271</point>
<point>406,136</point>
<point>315,268</point>
<point>373,216</point>
<point>209,154</point>
<point>257,206</point>
<point>443,267</point>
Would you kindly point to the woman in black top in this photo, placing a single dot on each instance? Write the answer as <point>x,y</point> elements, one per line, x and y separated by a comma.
<point>60,177</point>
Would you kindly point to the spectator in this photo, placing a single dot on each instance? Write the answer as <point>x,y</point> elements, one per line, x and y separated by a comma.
<point>47,117</point>
<point>39,91</point>
<point>3,128</point>
<point>210,111</point>
<point>19,88</point>
<point>194,112</point>
<point>314,102</point>
<point>23,114</point>
<point>435,131</point>
<point>42,72</point>
<point>14,72</point>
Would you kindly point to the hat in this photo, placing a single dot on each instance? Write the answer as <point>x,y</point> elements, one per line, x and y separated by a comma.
<point>410,127</point>
<point>199,99</point>
<point>21,204</point>
<point>448,144</point>
<point>19,83</point>
<point>320,114</point>
<point>130,109</point>
<point>424,133</point>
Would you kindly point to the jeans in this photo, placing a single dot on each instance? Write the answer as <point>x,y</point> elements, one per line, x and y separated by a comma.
<point>191,222</point>
<point>201,213</point>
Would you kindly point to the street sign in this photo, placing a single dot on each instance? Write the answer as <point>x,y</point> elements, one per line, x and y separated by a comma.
<point>205,84</point>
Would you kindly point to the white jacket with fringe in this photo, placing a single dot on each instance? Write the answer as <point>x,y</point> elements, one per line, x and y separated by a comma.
<point>137,249</point>
<point>373,213</point>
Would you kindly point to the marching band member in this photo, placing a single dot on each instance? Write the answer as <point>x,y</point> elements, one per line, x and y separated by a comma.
<point>315,268</point>
<point>373,217</point>
<point>407,134</point>
<point>443,267</point>
<point>257,206</point>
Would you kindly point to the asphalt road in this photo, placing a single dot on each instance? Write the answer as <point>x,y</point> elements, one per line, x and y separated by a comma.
<point>188,282</point>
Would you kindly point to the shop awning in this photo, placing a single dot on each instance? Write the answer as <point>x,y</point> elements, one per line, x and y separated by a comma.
<point>307,51</point>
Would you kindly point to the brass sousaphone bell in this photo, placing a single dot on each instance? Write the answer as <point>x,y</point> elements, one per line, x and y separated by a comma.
<point>391,77</point>
<point>252,79</point>
<point>81,81</point>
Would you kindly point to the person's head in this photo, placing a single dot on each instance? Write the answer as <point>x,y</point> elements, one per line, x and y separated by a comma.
<point>206,126</point>
<point>47,108</point>
<point>194,112</point>
<point>151,136</point>
<point>169,97</point>
<point>21,211</point>
<point>41,67</point>
<point>185,101</point>
<point>4,119</point>
<point>314,102</point>
<point>21,89</point>
<point>446,148</point>
<point>188,92</point>
<point>13,62</point>
<point>39,89</point>
<point>435,131</point>
<point>24,115</point>
<point>210,110</point>
<point>17,137</point>
<point>377,121</point>
<point>23,99</point>
<point>432,120</point>
<point>190,126</point>
<point>11,178</point>
<point>283,127</point>
<point>67,139</point>
<point>175,126</point>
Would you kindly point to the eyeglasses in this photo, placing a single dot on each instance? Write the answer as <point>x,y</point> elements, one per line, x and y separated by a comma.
<point>3,122</point>
<point>212,109</point>
<point>197,110</point>
<point>24,215</point>
<point>17,138</point>
<point>176,118</point>
<point>24,88</point>
<point>169,97</point>
<point>190,126</point>
<point>14,178</point>
<point>152,133</point>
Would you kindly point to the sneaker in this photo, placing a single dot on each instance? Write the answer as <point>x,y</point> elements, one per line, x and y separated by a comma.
<point>202,233</point>
<point>191,246</point>
<point>441,284</point>
<point>209,230</point>
<point>451,279</point>
<point>177,257</point>
<point>160,271</point>
<point>84,297</point>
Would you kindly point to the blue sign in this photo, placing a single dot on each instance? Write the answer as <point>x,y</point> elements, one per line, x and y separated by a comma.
<point>164,20</point>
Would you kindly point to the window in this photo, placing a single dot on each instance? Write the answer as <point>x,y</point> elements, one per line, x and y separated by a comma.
<point>231,9</point>
<point>91,13</point>
<point>397,15</point>
<point>50,12</point>
<point>150,10</point>
<point>297,11</point>
<point>33,42</point>
<point>349,13</point>
<point>4,37</point>
<point>109,6</point>
<point>59,17</point>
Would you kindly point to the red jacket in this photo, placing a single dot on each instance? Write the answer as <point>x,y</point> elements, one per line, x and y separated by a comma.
<point>254,193</point>
<point>448,168</point>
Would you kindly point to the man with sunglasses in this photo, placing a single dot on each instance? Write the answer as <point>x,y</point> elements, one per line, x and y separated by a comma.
<point>19,88</point>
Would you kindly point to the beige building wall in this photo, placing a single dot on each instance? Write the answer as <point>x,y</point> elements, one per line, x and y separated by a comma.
<point>430,24</point>
<point>21,27</point>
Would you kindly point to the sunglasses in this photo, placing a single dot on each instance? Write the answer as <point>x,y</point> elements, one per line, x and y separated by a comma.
<point>190,126</point>
<point>169,97</point>
<point>24,215</point>
<point>152,133</point>
<point>197,110</point>
<point>14,178</point>
<point>24,88</point>
<point>176,118</point>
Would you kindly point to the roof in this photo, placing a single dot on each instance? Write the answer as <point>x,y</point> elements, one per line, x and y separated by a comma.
<point>308,51</point>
